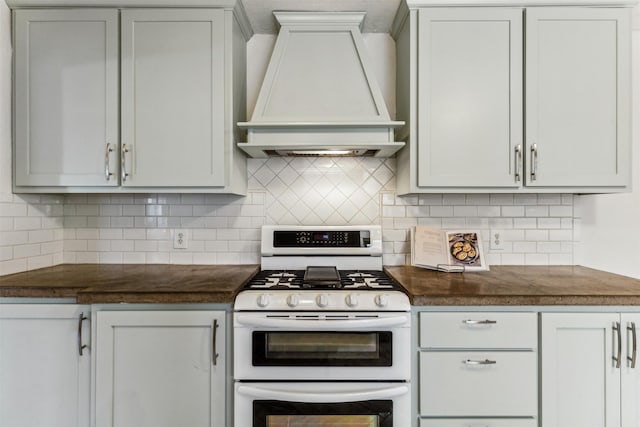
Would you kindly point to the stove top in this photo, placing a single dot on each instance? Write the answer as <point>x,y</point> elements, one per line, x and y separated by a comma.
<point>295,279</point>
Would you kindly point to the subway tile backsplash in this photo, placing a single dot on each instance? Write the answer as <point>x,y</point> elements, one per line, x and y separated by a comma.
<point>44,230</point>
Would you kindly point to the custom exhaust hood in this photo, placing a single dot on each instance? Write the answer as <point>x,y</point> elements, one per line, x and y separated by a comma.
<point>319,95</point>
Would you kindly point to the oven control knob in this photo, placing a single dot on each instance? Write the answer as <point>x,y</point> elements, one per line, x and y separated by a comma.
<point>263,300</point>
<point>381,300</point>
<point>293,300</point>
<point>322,300</point>
<point>351,300</point>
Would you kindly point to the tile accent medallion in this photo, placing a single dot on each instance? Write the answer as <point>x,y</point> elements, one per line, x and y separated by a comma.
<point>43,230</point>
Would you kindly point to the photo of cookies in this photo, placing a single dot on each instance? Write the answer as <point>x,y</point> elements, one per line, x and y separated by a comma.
<point>464,249</point>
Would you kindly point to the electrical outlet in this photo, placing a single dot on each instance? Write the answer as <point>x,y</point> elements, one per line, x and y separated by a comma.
<point>180,240</point>
<point>497,242</point>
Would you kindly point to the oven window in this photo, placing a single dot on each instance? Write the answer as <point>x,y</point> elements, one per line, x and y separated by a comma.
<point>274,413</point>
<point>326,348</point>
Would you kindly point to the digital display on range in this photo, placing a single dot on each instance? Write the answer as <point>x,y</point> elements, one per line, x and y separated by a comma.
<point>321,239</point>
<point>321,236</point>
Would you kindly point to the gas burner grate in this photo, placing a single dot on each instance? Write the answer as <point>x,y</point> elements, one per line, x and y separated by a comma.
<point>294,279</point>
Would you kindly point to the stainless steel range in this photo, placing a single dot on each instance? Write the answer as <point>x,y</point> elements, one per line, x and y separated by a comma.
<point>321,334</point>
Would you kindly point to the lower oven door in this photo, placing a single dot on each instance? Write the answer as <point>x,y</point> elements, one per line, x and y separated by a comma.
<point>322,346</point>
<point>293,404</point>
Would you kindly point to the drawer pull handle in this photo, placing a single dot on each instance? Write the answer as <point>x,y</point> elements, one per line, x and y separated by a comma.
<point>81,347</point>
<point>479,322</point>
<point>123,162</point>
<point>518,162</point>
<point>214,338</point>
<point>534,162</point>
<point>631,326</point>
<point>107,162</point>
<point>617,333</point>
<point>479,362</point>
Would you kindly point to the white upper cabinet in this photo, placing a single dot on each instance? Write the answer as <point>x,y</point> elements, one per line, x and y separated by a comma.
<point>66,97</point>
<point>173,97</point>
<point>578,97</point>
<point>469,97</point>
<point>479,120</point>
<point>168,125</point>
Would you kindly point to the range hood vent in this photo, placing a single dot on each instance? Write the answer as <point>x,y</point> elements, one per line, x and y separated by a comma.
<point>319,95</point>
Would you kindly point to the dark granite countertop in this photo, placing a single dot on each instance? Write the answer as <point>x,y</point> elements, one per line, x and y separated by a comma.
<point>131,283</point>
<point>150,283</point>
<point>517,285</point>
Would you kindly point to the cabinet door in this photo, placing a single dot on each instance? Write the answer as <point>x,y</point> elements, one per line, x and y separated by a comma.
<point>469,97</point>
<point>66,97</point>
<point>631,371</point>
<point>160,369</point>
<point>580,381</point>
<point>173,97</point>
<point>578,97</point>
<point>44,381</point>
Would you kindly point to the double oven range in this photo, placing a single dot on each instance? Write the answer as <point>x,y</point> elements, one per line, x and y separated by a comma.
<point>321,334</point>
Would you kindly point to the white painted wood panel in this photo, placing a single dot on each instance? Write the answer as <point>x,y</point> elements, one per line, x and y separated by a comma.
<point>156,369</point>
<point>479,330</point>
<point>578,96</point>
<point>580,384</point>
<point>451,385</point>
<point>469,97</point>
<point>66,97</point>
<point>173,97</point>
<point>478,422</point>
<point>630,392</point>
<point>44,382</point>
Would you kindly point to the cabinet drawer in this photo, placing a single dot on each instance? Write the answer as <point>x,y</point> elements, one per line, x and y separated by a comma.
<point>480,422</point>
<point>478,330</point>
<point>483,384</point>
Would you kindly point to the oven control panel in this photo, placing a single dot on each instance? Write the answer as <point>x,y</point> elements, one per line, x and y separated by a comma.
<point>313,300</point>
<point>321,239</point>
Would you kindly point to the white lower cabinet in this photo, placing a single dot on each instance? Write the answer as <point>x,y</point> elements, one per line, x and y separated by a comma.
<point>160,368</point>
<point>478,369</point>
<point>590,376</point>
<point>463,383</point>
<point>479,422</point>
<point>44,365</point>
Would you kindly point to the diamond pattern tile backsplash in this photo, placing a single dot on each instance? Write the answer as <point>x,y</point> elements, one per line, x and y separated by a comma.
<point>313,191</point>
<point>43,230</point>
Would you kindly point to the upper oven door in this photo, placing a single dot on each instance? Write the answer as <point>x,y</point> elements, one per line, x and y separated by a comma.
<point>311,346</point>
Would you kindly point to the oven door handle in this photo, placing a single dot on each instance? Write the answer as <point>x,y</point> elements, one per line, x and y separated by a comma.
<point>320,323</point>
<point>324,397</point>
